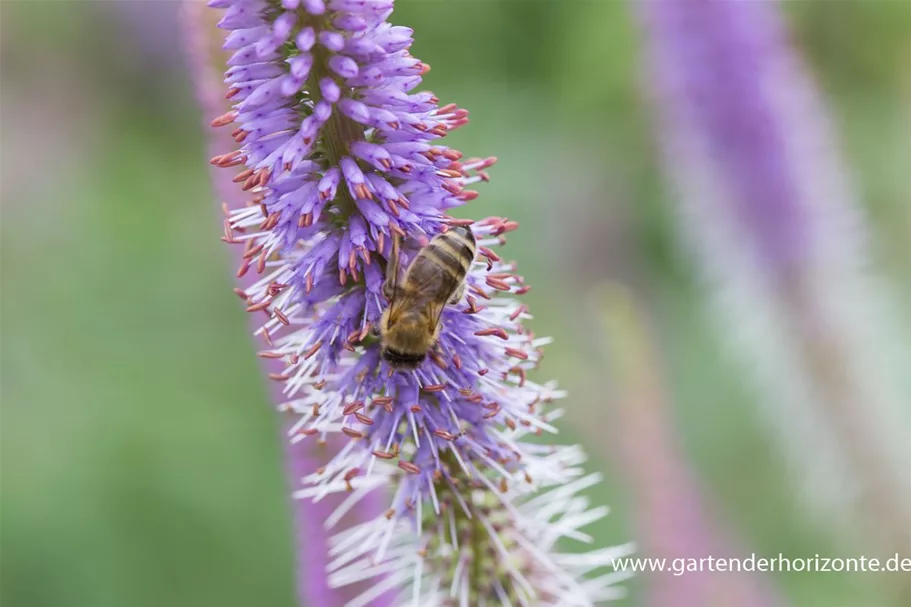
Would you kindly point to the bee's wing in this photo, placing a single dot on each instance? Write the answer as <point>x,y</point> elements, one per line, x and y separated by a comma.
<point>433,285</point>
<point>391,283</point>
<point>397,302</point>
<point>400,302</point>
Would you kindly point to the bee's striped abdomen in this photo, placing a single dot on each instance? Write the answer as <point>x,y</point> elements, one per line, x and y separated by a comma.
<point>453,251</point>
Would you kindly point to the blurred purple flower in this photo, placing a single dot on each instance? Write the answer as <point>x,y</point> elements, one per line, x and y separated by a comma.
<point>339,156</point>
<point>151,29</point>
<point>771,217</point>
<point>675,517</point>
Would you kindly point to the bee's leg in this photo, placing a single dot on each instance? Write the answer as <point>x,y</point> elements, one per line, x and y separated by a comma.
<point>457,294</point>
<point>437,347</point>
<point>390,285</point>
<point>376,329</point>
<point>436,333</point>
<point>437,327</point>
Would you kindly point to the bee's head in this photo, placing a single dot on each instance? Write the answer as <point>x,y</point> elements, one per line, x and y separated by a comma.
<point>402,360</point>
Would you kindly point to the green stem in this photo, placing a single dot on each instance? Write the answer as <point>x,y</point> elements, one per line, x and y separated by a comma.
<point>338,133</point>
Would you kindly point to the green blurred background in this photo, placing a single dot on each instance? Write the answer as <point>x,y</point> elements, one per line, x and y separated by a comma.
<point>140,458</point>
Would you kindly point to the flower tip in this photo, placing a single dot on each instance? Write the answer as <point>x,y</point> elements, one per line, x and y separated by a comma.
<point>314,7</point>
<point>226,118</point>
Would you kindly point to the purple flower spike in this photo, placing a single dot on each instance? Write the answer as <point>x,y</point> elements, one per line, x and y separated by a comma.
<point>340,158</point>
<point>773,221</point>
<point>311,540</point>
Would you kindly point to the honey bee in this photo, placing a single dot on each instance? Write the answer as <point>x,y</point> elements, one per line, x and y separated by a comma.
<point>410,324</point>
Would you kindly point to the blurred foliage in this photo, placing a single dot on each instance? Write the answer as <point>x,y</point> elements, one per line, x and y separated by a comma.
<point>140,457</point>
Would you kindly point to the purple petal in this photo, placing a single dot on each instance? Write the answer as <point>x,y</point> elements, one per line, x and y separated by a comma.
<point>332,40</point>
<point>330,90</point>
<point>346,67</point>
<point>355,110</point>
<point>305,39</point>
